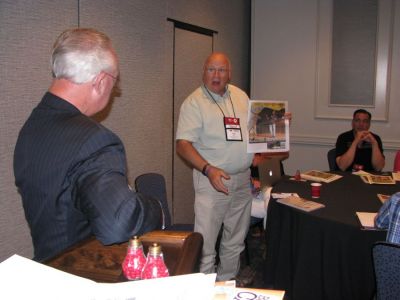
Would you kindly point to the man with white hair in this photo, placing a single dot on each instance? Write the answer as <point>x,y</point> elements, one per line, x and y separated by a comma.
<point>69,169</point>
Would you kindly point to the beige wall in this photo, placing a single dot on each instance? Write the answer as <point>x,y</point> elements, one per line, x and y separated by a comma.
<point>284,67</point>
<point>142,116</point>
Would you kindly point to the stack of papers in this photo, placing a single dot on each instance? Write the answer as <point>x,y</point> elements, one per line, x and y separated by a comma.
<point>300,203</point>
<point>377,179</point>
<point>320,176</point>
<point>284,195</point>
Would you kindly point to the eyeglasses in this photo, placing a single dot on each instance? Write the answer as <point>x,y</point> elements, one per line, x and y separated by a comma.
<point>112,76</point>
<point>212,70</point>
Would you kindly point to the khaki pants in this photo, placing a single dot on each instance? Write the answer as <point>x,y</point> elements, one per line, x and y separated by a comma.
<point>212,209</point>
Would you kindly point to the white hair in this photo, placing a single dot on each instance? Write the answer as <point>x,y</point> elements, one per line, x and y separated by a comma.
<point>80,54</point>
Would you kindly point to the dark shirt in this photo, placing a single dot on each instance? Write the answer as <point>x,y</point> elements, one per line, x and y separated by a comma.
<point>363,155</point>
<point>71,174</point>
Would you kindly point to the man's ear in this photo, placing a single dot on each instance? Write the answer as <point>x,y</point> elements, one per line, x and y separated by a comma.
<point>99,83</point>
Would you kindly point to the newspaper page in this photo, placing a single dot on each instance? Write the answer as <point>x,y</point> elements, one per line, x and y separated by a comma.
<point>268,130</point>
<point>320,176</point>
<point>377,179</point>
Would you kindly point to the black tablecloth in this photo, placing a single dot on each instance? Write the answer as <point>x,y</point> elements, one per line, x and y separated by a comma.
<point>323,254</point>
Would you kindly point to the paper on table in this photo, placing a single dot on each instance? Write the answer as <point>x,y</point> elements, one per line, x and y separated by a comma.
<point>283,195</point>
<point>367,219</point>
<point>320,176</point>
<point>360,172</point>
<point>196,286</point>
<point>381,179</point>
<point>22,278</point>
<point>396,176</point>
<point>383,197</point>
<point>300,203</point>
<point>226,290</point>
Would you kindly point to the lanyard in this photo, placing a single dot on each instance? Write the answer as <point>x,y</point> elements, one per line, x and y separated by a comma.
<point>218,104</point>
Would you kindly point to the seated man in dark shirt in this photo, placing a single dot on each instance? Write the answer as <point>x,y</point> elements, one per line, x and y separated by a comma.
<point>359,148</point>
<point>69,169</point>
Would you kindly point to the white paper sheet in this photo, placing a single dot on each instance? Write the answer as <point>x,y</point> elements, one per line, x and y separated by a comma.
<point>22,278</point>
<point>367,219</point>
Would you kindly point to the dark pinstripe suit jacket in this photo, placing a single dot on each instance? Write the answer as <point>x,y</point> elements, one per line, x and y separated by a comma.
<point>71,174</point>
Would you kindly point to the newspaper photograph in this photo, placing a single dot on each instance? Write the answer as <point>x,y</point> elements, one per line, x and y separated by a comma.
<point>268,129</point>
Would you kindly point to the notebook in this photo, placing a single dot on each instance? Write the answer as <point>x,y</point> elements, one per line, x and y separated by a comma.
<point>269,172</point>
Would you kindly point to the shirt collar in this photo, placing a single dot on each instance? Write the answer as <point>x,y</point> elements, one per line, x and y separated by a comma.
<point>217,96</point>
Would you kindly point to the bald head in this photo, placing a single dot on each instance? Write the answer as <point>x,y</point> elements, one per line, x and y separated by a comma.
<point>217,72</point>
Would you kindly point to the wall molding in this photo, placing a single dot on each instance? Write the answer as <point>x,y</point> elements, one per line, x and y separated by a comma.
<point>318,140</point>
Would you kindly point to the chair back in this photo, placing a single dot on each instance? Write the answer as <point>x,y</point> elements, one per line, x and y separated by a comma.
<point>153,185</point>
<point>386,257</point>
<point>332,160</point>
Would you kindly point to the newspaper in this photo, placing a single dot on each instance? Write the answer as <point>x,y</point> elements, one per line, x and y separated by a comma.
<point>377,179</point>
<point>320,176</point>
<point>268,130</point>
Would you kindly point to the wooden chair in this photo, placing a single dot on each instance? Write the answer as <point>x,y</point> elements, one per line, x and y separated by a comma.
<point>93,260</point>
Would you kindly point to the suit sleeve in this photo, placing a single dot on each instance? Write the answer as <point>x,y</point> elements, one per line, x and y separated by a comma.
<point>114,211</point>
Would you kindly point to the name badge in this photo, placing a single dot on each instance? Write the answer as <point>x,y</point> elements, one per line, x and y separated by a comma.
<point>232,129</point>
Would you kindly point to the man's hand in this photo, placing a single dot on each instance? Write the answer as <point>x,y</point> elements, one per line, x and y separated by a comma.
<point>367,136</point>
<point>215,176</point>
<point>288,116</point>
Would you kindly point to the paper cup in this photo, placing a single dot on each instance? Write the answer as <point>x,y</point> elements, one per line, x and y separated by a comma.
<point>315,190</point>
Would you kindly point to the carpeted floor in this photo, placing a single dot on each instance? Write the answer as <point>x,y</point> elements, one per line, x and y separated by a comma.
<point>252,262</point>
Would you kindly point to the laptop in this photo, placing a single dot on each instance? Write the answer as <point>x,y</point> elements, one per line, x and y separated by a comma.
<point>269,172</point>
